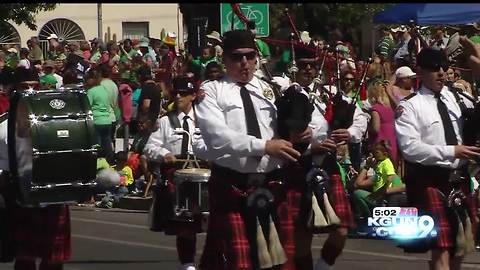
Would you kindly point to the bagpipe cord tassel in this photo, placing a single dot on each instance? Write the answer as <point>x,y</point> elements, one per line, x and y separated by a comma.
<point>332,218</point>
<point>469,241</point>
<point>277,253</point>
<point>460,239</point>
<point>319,219</point>
<point>264,259</point>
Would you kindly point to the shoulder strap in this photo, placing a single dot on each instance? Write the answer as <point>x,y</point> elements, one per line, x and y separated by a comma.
<point>410,96</point>
<point>174,122</point>
<point>460,102</point>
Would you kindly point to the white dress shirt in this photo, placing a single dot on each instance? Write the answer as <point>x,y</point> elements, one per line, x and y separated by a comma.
<point>420,131</point>
<point>164,140</point>
<point>359,126</point>
<point>221,119</point>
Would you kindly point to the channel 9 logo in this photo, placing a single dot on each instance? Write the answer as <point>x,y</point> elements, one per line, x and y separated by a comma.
<point>400,223</point>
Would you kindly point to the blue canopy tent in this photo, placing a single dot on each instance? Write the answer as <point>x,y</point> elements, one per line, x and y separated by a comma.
<point>430,14</point>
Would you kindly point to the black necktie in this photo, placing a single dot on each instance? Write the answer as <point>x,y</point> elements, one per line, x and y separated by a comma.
<point>450,137</point>
<point>185,136</point>
<point>252,123</point>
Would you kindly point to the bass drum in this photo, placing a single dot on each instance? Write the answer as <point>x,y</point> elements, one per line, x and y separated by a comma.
<point>52,147</point>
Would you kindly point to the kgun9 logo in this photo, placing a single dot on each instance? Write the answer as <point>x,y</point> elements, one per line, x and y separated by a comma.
<point>400,223</point>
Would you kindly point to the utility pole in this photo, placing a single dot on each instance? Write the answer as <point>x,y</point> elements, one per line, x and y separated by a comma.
<point>100,24</point>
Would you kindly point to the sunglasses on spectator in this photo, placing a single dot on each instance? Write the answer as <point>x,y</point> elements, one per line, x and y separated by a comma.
<point>182,93</point>
<point>349,79</point>
<point>239,56</point>
<point>304,64</point>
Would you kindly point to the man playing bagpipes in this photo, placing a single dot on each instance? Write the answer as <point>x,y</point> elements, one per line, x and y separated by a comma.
<point>327,208</point>
<point>255,193</point>
<point>432,138</point>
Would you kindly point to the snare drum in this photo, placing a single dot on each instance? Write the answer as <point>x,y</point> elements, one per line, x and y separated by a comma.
<point>191,193</point>
<point>52,147</point>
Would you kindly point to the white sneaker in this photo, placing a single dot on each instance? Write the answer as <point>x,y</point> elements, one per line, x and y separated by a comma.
<point>187,266</point>
<point>322,265</point>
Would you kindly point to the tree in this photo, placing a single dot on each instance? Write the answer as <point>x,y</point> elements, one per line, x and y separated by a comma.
<point>317,18</point>
<point>24,13</point>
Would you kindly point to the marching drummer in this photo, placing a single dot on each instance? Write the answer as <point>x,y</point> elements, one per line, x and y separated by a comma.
<point>33,232</point>
<point>170,141</point>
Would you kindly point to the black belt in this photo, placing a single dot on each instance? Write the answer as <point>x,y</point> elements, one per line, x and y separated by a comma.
<point>247,179</point>
<point>432,171</point>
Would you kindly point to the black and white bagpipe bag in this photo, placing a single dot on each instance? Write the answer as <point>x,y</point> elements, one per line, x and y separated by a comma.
<point>294,113</point>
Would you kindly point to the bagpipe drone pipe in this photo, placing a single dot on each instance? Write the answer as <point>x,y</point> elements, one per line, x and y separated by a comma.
<point>470,117</point>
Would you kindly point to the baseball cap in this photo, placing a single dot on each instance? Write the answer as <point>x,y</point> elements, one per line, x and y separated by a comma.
<point>404,72</point>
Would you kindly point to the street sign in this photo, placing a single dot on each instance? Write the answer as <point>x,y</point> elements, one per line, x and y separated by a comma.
<point>256,12</point>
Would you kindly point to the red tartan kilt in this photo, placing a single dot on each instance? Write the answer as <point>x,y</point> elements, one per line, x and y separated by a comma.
<point>337,196</point>
<point>429,200</point>
<point>340,202</point>
<point>42,233</point>
<point>227,247</point>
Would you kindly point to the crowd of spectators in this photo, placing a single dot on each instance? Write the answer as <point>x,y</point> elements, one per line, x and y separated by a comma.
<point>128,83</point>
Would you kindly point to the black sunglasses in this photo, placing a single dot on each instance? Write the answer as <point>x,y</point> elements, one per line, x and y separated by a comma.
<point>303,65</point>
<point>182,93</point>
<point>436,68</point>
<point>349,79</point>
<point>239,56</point>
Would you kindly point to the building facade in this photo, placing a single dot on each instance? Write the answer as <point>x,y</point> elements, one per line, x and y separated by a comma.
<point>74,22</point>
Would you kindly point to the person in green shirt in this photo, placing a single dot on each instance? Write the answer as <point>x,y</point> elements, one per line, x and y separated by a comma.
<point>48,81</point>
<point>386,45</point>
<point>12,58</point>
<point>198,65</point>
<point>385,184</point>
<point>112,88</point>
<point>96,53</point>
<point>126,66</point>
<point>101,107</point>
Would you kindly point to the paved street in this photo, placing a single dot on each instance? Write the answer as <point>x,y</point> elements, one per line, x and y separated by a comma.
<point>119,239</point>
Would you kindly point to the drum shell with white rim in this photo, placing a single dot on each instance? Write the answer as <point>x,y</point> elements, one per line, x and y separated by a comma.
<point>52,146</point>
<point>191,192</point>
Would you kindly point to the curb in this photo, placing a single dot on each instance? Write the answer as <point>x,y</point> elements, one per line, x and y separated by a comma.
<point>135,203</point>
